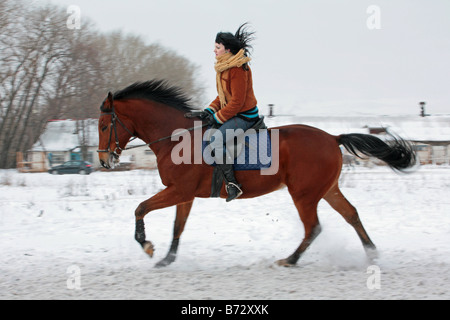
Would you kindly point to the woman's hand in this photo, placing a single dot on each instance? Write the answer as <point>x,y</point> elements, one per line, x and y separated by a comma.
<point>207,116</point>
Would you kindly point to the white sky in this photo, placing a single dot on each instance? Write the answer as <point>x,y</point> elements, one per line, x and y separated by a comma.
<point>310,57</point>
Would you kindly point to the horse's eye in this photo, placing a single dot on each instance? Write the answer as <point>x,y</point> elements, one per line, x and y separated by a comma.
<point>104,128</point>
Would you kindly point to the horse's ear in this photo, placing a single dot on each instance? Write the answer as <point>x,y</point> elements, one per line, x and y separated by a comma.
<point>108,103</point>
<point>110,98</point>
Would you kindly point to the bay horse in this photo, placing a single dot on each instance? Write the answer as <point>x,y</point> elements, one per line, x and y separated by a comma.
<point>310,163</point>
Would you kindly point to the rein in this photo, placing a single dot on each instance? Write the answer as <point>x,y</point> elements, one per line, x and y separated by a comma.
<point>115,118</point>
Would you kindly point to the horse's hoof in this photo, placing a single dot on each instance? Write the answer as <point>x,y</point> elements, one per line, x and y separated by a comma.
<point>163,263</point>
<point>284,263</point>
<point>166,261</point>
<point>372,254</point>
<point>148,248</point>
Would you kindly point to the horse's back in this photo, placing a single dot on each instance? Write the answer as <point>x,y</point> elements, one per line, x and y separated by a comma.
<point>307,140</point>
<point>303,130</point>
<point>309,156</point>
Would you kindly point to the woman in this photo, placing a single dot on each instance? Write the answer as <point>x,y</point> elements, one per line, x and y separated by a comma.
<point>235,106</point>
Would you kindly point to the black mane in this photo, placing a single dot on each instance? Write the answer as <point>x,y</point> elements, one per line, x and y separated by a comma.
<point>155,90</point>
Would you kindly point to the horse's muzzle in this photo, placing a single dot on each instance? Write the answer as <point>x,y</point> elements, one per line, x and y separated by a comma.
<point>111,161</point>
<point>104,164</point>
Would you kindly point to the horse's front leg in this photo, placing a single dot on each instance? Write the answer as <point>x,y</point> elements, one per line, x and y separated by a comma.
<point>139,235</point>
<point>183,210</point>
<point>166,198</point>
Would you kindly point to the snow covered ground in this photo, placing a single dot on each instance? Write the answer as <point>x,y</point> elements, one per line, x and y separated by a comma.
<point>72,237</point>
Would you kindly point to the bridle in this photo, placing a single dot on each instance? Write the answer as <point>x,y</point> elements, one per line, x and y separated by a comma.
<point>113,128</point>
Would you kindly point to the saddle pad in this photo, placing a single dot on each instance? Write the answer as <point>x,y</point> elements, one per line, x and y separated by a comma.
<point>255,154</point>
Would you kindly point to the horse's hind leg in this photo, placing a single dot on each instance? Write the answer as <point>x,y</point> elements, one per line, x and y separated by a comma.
<point>308,215</point>
<point>339,203</point>
<point>182,215</point>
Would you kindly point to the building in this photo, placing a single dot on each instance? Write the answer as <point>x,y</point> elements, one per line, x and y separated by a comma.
<point>65,140</point>
<point>62,139</point>
<point>430,134</point>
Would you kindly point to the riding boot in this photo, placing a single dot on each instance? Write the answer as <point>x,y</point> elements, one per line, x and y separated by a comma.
<point>232,186</point>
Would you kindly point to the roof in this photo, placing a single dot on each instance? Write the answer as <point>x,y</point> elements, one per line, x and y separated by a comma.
<point>61,135</point>
<point>414,128</point>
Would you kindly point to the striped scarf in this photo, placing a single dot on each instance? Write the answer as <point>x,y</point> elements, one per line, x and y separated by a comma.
<point>225,62</point>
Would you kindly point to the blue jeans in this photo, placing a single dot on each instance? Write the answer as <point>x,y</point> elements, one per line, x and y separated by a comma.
<point>220,138</point>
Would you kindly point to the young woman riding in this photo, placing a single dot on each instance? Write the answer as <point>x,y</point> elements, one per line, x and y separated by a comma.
<point>235,106</point>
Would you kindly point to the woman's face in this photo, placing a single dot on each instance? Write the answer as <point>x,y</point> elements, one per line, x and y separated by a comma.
<point>219,49</point>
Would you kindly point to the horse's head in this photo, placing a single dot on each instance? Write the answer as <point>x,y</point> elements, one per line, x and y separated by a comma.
<point>113,135</point>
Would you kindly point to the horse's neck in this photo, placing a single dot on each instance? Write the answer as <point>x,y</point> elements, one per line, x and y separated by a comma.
<point>154,121</point>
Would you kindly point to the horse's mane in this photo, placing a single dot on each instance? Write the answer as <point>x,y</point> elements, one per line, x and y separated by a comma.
<point>156,90</point>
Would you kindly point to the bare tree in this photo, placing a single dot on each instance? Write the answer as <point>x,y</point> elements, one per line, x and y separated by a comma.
<point>129,59</point>
<point>49,71</point>
<point>36,45</point>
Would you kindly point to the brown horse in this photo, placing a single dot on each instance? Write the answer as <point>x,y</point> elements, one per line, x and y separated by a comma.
<point>310,162</point>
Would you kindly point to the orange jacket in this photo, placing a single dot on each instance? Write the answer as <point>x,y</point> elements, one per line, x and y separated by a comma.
<point>237,85</point>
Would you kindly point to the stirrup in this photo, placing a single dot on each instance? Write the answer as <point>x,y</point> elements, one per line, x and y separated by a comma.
<point>232,196</point>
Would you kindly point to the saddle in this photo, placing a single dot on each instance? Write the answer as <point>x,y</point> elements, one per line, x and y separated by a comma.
<point>252,151</point>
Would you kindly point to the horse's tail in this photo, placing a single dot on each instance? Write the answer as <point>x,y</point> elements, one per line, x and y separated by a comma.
<point>396,152</point>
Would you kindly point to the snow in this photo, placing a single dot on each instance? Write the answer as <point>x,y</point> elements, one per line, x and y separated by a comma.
<point>72,237</point>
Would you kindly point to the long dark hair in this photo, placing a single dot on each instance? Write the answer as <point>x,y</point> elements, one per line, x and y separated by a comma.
<point>240,40</point>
